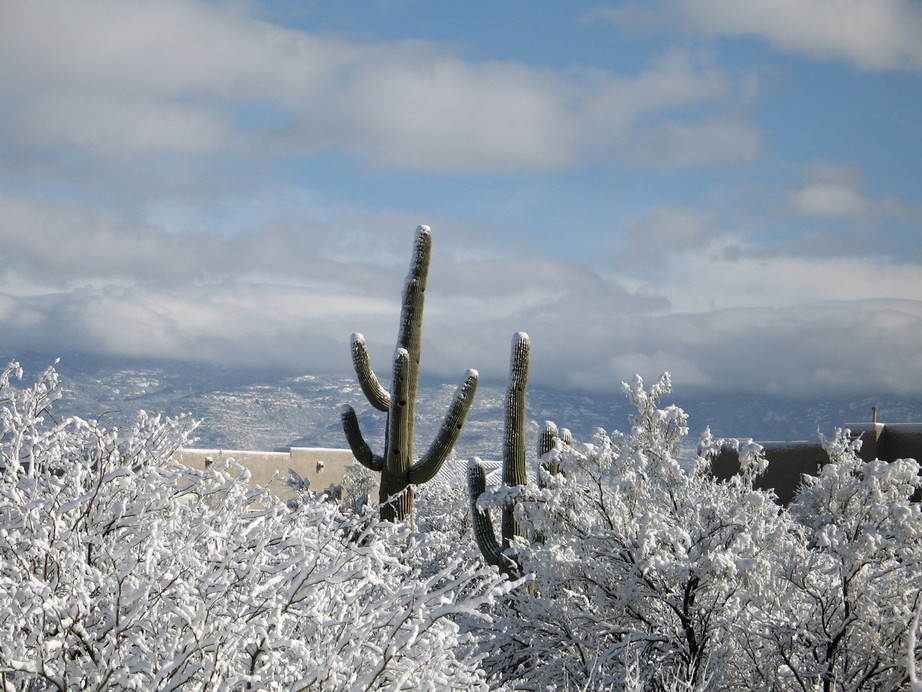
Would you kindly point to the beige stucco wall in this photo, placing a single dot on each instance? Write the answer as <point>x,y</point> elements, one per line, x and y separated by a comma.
<point>323,467</point>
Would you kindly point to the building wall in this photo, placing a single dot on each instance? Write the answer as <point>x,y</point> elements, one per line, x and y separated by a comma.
<point>323,467</point>
<point>788,461</point>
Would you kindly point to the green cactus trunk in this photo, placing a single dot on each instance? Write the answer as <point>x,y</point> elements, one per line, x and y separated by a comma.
<point>398,470</point>
<point>496,552</point>
<point>514,472</point>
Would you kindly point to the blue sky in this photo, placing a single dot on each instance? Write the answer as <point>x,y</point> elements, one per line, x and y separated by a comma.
<point>724,189</point>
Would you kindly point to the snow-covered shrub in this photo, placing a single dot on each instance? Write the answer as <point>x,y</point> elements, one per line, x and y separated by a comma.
<point>641,567</point>
<point>851,586</point>
<point>652,578</point>
<point>121,569</point>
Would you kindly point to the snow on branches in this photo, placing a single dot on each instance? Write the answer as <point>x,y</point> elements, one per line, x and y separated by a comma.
<point>121,569</point>
<point>651,577</point>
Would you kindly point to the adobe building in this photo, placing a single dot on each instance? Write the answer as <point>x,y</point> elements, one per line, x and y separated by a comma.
<point>323,467</point>
<point>788,461</point>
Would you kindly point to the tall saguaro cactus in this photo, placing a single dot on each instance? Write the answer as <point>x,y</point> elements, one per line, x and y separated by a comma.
<point>399,471</point>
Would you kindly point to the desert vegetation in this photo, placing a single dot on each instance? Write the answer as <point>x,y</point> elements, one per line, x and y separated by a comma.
<point>615,567</point>
<point>121,569</point>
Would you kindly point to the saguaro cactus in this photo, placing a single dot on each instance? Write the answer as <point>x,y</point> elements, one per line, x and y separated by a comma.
<point>547,442</point>
<point>514,473</point>
<point>399,471</point>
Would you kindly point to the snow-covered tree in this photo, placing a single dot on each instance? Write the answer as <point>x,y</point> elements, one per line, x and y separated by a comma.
<point>837,613</point>
<point>637,565</point>
<point>651,577</point>
<point>121,569</point>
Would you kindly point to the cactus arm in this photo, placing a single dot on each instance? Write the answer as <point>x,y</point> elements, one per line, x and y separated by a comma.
<point>566,437</point>
<point>396,456</point>
<point>431,462</point>
<point>395,492</point>
<point>482,525</point>
<point>360,449</point>
<point>548,438</point>
<point>546,444</point>
<point>514,429</point>
<point>376,394</point>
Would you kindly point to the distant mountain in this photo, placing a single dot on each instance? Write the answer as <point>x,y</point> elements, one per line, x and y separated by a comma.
<point>273,410</point>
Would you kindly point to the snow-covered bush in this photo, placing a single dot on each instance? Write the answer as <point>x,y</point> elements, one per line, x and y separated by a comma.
<point>641,565</point>
<point>121,569</point>
<point>649,577</point>
<point>851,585</point>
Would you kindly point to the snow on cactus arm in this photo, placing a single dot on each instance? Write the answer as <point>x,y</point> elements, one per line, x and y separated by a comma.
<point>375,393</point>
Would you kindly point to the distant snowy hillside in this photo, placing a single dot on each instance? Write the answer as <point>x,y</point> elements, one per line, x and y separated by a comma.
<point>273,410</point>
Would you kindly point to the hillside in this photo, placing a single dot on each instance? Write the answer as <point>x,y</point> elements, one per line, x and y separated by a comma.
<point>273,410</point>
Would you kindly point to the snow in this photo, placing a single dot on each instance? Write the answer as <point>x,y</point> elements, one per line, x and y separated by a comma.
<point>123,569</point>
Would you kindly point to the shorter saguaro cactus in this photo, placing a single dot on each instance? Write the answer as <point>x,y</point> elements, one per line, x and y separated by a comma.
<point>547,443</point>
<point>494,551</point>
<point>399,471</point>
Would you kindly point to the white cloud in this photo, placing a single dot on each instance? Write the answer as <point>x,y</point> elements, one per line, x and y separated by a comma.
<point>108,79</point>
<point>444,114</point>
<point>830,201</point>
<point>719,140</point>
<point>118,127</point>
<point>872,34</point>
<point>832,347</point>
<point>789,325</point>
<point>836,192</point>
<point>62,246</point>
<point>826,238</point>
<point>704,281</point>
<point>662,233</point>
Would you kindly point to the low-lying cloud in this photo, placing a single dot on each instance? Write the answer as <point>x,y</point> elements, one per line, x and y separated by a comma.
<point>588,331</point>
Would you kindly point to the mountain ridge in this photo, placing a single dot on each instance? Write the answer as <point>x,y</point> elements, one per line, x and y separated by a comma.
<point>272,410</point>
